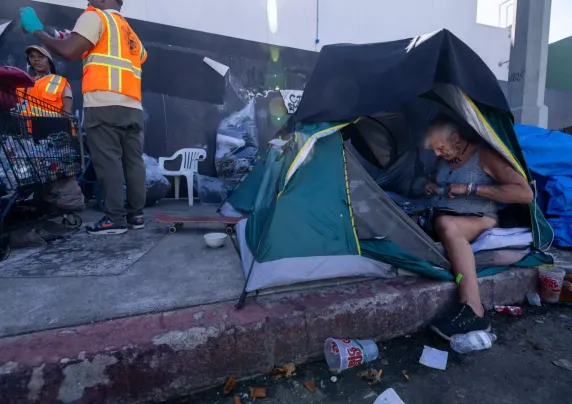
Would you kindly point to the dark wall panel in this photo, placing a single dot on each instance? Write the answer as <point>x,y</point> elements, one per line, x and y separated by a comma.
<point>155,124</point>
<point>184,99</point>
<point>182,74</point>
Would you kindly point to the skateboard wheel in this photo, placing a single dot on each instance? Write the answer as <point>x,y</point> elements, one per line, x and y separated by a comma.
<point>229,229</point>
<point>173,229</point>
<point>71,220</point>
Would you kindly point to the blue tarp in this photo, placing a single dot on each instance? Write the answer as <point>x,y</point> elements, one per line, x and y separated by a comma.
<point>547,154</point>
<point>559,190</point>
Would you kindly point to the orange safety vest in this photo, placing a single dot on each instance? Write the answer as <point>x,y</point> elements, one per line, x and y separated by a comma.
<point>45,98</point>
<point>114,63</point>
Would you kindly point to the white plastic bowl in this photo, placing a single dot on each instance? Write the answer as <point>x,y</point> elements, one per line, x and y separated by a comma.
<point>215,240</point>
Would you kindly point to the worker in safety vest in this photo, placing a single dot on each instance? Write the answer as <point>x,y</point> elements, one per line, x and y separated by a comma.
<point>112,57</point>
<point>51,93</point>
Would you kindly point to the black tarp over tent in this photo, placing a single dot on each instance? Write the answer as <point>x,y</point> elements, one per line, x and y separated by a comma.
<point>351,81</point>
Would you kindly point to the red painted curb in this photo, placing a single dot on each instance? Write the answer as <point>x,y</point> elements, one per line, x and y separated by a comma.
<point>156,356</point>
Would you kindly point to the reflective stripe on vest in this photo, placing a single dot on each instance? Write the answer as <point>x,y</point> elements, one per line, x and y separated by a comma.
<point>33,101</point>
<point>54,84</point>
<point>114,41</point>
<point>113,61</point>
<point>114,64</point>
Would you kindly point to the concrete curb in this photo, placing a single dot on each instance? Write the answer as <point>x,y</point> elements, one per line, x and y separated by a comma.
<point>157,356</point>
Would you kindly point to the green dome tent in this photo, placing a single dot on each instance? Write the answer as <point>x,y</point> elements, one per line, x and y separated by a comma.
<point>315,212</point>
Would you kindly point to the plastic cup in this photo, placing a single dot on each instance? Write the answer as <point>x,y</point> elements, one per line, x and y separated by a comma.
<point>346,353</point>
<point>551,280</point>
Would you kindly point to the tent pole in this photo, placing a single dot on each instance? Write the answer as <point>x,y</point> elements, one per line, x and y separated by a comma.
<point>235,185</point>
<point>244,293</point>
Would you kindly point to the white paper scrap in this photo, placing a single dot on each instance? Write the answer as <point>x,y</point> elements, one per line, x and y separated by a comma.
<point>291,99</point>
<point>218,67</point>
<point>389,396</point>
<point>3,27</point>
<point>434,358</point>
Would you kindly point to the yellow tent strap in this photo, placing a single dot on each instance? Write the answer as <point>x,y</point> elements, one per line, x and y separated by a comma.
<point>350,209</point>
<point>308,145</point>
<point>499,141</point>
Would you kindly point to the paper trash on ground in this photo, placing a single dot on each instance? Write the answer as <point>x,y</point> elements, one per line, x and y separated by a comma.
<point>3,27</point>
<point>389,396</point>
<point>533,299</point>
<point>434,358</point>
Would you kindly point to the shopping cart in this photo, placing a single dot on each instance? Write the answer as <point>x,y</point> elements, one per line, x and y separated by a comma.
<point>39,144</point>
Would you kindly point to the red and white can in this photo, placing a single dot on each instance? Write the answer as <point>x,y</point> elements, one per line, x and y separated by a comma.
<point>512,310</point>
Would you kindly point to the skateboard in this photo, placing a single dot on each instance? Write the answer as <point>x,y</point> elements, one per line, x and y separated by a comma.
<point>177,222</point>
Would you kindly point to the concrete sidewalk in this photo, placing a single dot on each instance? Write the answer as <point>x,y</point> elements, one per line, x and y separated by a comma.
<point>153,357</point>
<point>180,271</point>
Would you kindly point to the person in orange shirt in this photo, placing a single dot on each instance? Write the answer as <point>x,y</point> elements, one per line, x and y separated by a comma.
<point>51,93</point>
<point>112,58</point>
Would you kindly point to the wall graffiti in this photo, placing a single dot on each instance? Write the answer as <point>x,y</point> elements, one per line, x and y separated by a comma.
<point>292,99</point>
<point>516,77</point>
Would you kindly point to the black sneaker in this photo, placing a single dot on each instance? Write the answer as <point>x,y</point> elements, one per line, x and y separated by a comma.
<point>136,221</point>
<point>106,226</point>
<point>460,320</point>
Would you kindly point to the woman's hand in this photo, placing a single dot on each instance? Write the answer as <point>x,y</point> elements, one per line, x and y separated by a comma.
<point>431,188</point>
<point>457,189</point>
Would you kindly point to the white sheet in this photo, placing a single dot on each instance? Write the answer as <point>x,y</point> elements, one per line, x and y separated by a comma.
<point>497,238</point>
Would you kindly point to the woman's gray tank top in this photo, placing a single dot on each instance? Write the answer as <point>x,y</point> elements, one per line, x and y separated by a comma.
<point>470,172</point>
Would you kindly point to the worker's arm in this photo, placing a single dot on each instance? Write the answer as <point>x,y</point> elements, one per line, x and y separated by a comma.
<point>67,99</point>
<point>72,47</point>
<point>68,105</point>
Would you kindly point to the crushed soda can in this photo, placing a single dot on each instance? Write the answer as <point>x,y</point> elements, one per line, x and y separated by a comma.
<point>512,310</point>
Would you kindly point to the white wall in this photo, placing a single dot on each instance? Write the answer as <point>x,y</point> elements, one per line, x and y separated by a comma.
<point>385,20</point>
<point>350,21</point>
<point>499,13</point>
<point>245,19</point>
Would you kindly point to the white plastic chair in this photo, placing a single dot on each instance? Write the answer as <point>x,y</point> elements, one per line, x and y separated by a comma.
<point>189,166</point>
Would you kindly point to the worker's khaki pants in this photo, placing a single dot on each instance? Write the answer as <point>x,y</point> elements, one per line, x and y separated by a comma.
<point>115,141</point>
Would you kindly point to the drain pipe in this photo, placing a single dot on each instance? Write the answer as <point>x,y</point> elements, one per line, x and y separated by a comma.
<point>317,39</point>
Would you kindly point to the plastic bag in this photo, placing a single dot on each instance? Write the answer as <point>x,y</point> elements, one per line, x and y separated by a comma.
<point>153,172</point>
<point>65,194</point>
<point>211,191</point>
<point>237,144</point>
<point>157,185</point>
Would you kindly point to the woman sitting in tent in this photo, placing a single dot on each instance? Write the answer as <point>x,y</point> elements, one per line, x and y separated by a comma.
<point>471,179</point>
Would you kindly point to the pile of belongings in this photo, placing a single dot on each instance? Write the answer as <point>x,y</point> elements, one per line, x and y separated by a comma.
<point>547,155</point>
<point>28,161</point>
<point>157,186</point>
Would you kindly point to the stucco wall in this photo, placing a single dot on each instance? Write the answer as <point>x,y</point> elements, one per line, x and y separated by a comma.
<point>297,23</point>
